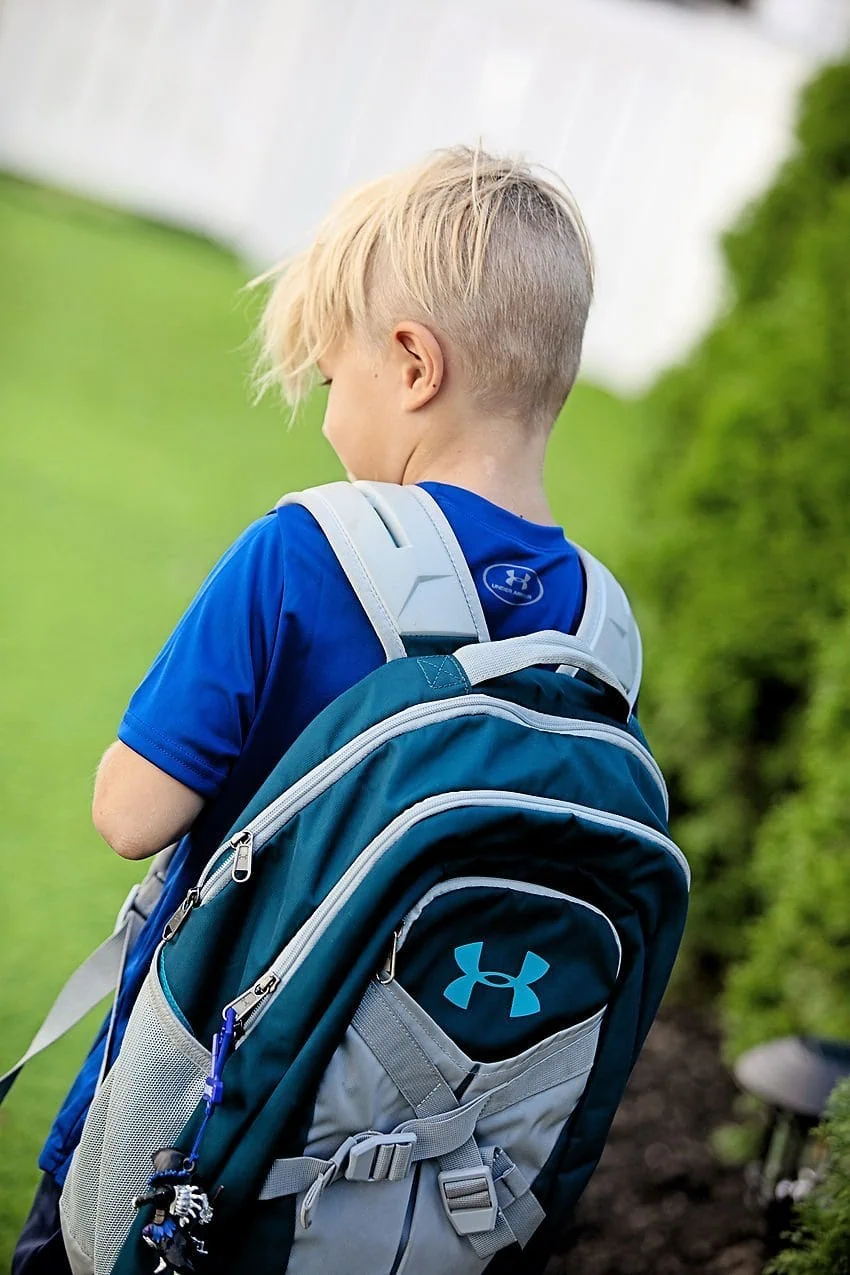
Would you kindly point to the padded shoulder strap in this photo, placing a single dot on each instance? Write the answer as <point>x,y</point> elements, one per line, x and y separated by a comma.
<point>608,627</point>
<point>401,558</point>
<point>403,561</point>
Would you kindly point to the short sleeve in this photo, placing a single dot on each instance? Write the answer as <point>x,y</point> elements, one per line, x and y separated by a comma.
<point>192,713</point>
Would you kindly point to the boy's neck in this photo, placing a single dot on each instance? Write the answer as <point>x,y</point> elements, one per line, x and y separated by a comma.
<point>504,465</point>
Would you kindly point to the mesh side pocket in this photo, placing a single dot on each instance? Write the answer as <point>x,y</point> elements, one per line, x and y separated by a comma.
<point>143,1104</point>
<point>78,1204</point>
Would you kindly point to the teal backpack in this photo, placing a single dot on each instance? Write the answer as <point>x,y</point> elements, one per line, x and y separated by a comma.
<point>387,1031</point>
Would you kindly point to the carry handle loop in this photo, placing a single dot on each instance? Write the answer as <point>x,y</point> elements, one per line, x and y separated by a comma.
<point>484,661</point>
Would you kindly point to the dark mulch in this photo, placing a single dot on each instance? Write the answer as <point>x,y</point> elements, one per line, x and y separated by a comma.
<point>660,1203</point>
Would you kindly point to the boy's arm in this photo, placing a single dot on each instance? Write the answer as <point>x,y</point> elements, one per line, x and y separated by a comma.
<point>188,721</point>
<point>137,808</point>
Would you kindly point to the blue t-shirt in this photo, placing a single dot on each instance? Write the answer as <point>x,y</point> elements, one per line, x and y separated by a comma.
<point>275,634</point>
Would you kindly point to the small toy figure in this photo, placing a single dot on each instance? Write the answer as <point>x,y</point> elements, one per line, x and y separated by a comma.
<point>180,1207</point>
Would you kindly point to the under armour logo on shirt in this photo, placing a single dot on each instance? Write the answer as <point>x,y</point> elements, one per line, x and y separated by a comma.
<point>524,1000</point>
<point>518,586</point>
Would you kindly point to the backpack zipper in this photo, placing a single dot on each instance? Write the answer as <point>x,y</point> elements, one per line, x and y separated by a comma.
<point>243,851</point>
<point>234,858</point>
<point>177,918</point>
<point>245,1004</point>
<point>302,943</point>
<point>407,1224</point>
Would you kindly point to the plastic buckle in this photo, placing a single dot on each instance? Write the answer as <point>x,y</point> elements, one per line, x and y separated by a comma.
<point>381,1157</point>
<point>469,1198</point>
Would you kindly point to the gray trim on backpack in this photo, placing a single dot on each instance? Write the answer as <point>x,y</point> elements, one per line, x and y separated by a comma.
<point>483,663</point>
<point>220,868</point>
<point>401,559</point>
<point>453,884</point>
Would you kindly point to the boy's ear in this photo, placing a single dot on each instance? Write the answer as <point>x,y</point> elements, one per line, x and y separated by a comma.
<point>421,363</point>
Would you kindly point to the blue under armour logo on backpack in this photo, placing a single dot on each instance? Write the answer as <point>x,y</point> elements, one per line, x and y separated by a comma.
<point>524,1000</point>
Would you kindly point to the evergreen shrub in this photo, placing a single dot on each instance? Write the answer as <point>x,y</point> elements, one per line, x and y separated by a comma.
<point>795,976</point>
<point>821,1241</point>
<point>742,570</point>
<point>741,557</point>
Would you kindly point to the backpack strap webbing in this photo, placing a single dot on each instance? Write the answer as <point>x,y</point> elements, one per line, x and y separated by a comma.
<point>100,974</point>
<point>486,1197</point>
<point>401,558</point>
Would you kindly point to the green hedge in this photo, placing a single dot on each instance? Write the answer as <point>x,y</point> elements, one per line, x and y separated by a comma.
<point>795,977</point>
<point>743,540</point>
<point>743,567</point>
<point>821,1244</point>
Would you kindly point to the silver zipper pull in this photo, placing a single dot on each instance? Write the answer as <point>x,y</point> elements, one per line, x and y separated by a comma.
<point>175,921</point>
<point>386,974</point>
<point>243,853</point>
<point>248,1001</point>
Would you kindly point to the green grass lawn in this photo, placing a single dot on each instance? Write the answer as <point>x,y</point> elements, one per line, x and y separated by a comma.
<point>130,458</point>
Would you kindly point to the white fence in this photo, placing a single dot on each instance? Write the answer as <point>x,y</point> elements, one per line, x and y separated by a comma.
<point>244,118</point>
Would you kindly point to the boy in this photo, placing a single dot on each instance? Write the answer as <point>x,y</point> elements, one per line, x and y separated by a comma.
<point>445,309</point>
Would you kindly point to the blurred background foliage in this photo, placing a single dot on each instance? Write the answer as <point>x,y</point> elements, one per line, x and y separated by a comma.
<point>742,563</point>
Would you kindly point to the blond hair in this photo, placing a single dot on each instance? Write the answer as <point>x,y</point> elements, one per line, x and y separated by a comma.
<point>493,256</point>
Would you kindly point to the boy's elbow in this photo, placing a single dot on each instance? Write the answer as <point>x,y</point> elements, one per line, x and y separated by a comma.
<point>137,808</point>
<point>109,813</point>
<point>118,833</point>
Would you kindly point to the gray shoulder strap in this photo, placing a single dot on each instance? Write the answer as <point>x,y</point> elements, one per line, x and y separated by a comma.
<point>608,627</point>
<point>402,560</point>
<point>100,974</point>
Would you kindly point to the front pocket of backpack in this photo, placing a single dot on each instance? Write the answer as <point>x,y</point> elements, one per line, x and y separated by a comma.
<point>502,965</point>
<point>494,995</point>
<point>142,1105</point>
<point>527,1102</point>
